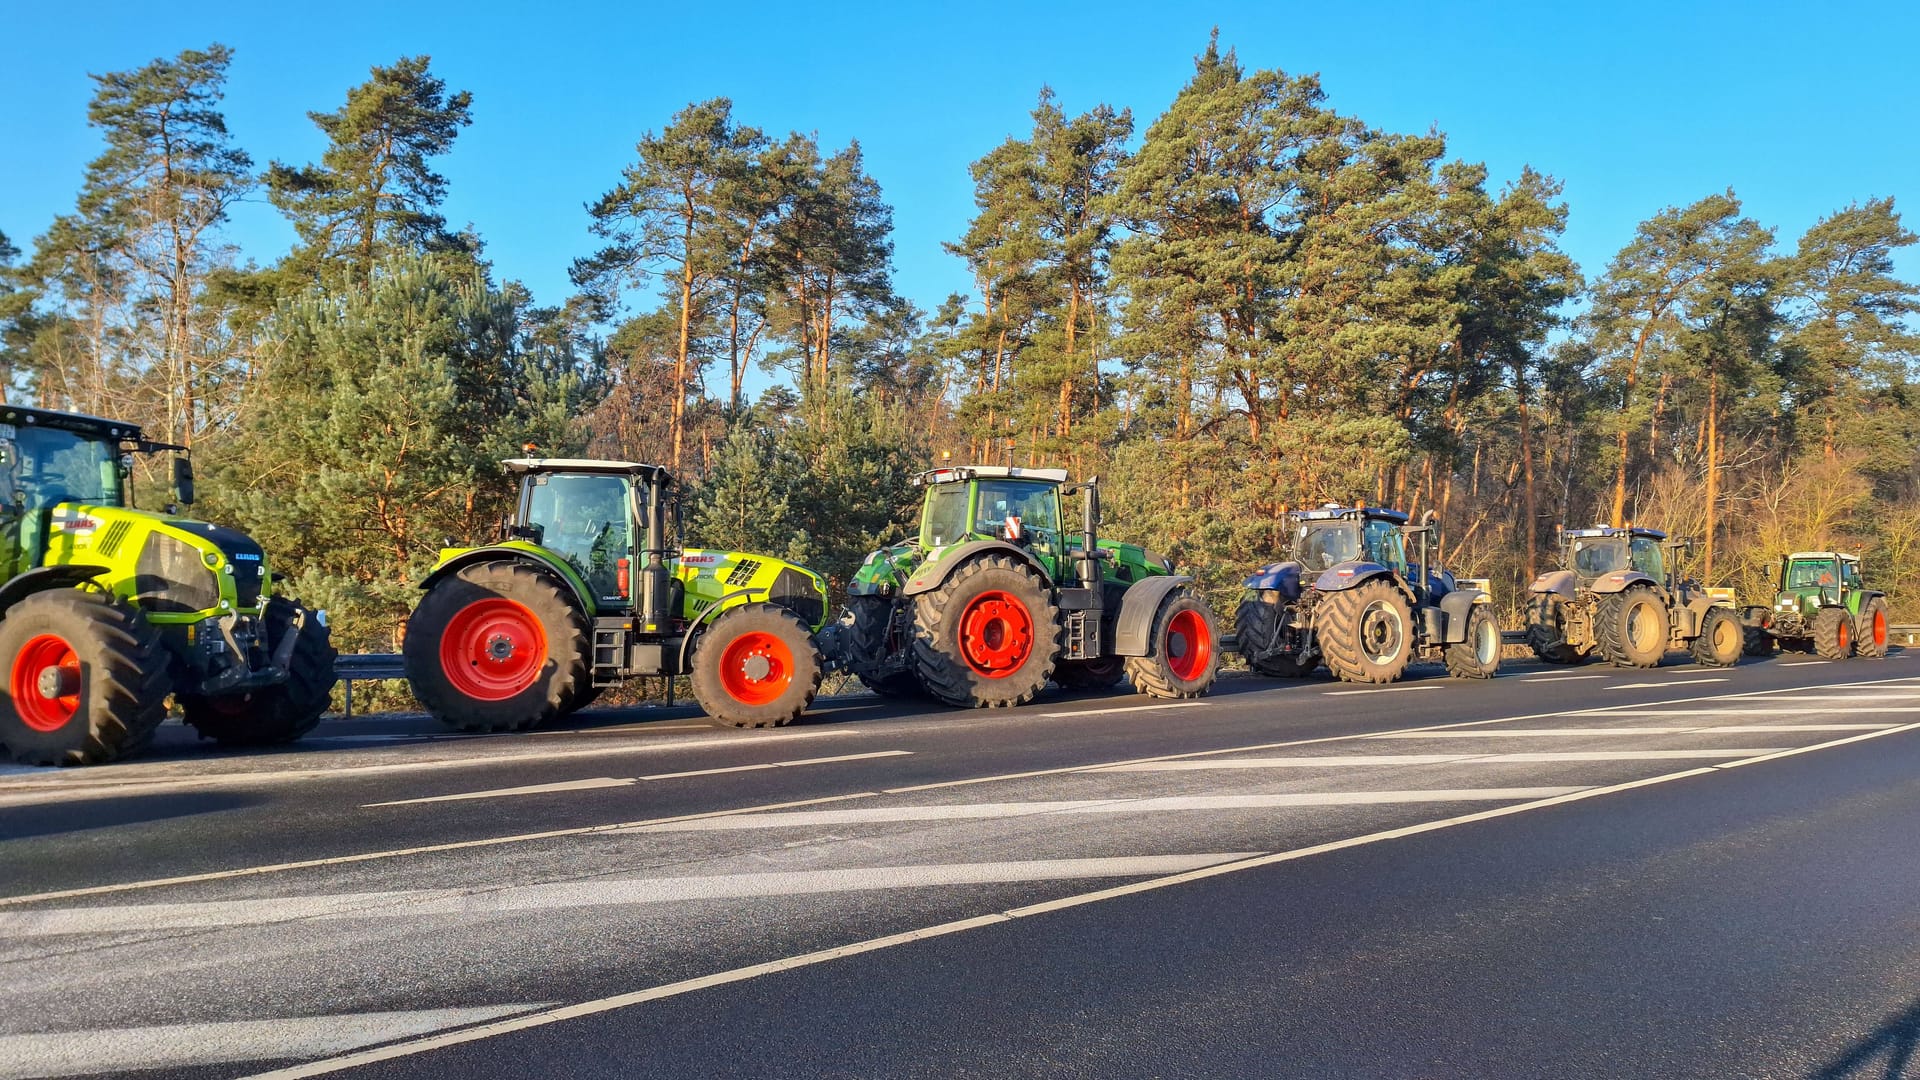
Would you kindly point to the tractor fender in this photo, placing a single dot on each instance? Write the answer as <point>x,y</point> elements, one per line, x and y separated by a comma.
<point>1620,581</point>
<point>1134,634</point>
<point>1562,582</point>
<point>934,574</point>
<point>1281,577</point>
<point>42,578</point>
<point>566,574</point>
<point>1457,606</point>
<point>701,618</point>
<point>1348,574</point>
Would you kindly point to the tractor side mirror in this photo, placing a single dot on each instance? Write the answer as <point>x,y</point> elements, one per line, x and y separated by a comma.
<point>532,534</point>
<point>183,481</point>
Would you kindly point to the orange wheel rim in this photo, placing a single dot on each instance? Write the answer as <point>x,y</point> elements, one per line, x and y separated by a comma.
<point>45,683</point>
<point>756,668</point>
<point>996,634</point>
<point>1188,645</point>
<point>1844,637</point>
<point>1879,629</point>
<point>493,649</point>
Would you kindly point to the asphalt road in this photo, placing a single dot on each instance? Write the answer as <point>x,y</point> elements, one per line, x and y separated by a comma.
<point>1563,872</point>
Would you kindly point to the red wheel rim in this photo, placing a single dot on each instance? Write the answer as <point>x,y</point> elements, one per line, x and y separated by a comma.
<point>46,683</point>
<point>493,649</point>
<point>996,634</point>
<point>1844,636</point>
<point>1879,629</point>
<point>756,668</point>
<point>1188,645</point>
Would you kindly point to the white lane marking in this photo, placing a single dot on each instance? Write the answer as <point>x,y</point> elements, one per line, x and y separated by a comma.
<point>1761,729</point>
<point>751,971</point>
<point>1550,676</point>
<point>782,764</point>
<point>1381,690</point>
<point>1765,712</point>
<point>979,811</point>
<point>1804,663</point>
<point>1894,694</point>
<point>172,1046</point>
<point>1539,733</point>
<point>1345,760</point>
<point>643,727</point>
<point>1670,682</point>
<point>592,892</point>
<point>501,793</point>
<point>588,830</point>
<point>1123,709</point>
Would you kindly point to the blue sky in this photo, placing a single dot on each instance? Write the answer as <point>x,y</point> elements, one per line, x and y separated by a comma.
<point>1634,106</point>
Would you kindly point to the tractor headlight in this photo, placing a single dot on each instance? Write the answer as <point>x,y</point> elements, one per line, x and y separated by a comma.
<point>212,559</point>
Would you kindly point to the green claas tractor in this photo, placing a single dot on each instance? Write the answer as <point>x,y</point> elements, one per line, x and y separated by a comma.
<point>994,597</point>
<point>107,609</point>
<point>1350,597</point>
<point>1820,604</point>
<point>1619,592</point>
<point>588,587</point>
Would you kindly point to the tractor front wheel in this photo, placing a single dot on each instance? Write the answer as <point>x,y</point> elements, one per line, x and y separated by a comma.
<point>1477,657</point>
<point>87,679</point>
<point>280,713</point>
<point>1833,633</point>
<point>988,636</point>
<point>1873,628</point>
<point>869,629</point>
<point>1758,642</point>
<point>1185,652</point>
<point>756,666</point>
<point>1632,628</point>
<point>497,646</point>
<point>1722,639</point>
<point>1256,623</point>
<point>1547,630</point>
<point>1367,633</point>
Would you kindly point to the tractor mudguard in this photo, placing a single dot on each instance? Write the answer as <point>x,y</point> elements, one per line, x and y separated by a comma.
<point>935,573</point>
<point>1563,582</point>
<point>1347,575</point>
<point>1457,606</point>
<point>1282,577</point>
<point>42,578</point>
<point>1133,636</point>
<point>513,551</point>
<point>1619,580</point>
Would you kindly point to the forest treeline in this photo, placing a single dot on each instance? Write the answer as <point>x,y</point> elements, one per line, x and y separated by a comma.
<point>1248,303</point>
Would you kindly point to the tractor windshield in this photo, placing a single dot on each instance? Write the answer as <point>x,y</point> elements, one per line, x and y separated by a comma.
<point>1811,573</point>
<point>1036,505</point>
<point>583,518</point>
<point>1384,545</point>
<point>1645,557</point>
<point>42,467</point>
<point>1593,556</point>
<point>1324,545</point>
<point>945,521</point>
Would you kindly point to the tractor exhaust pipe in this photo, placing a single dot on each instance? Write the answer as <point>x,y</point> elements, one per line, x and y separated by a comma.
<point>653,569</point>
<point>1090,534</point>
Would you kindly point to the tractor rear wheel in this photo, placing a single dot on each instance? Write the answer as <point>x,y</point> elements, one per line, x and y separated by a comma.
<point>756,666</point>
<point>1547,630</point>
<point>988,636</point>
<point>869,629</point>
<point>275,714</point>
<point>1873,628</point>
<point>1478,657</point>
<point>1833,633</point>
<point>1101,674</point>
<point>1185,655</point>
<point>1722,639</point>
<point>1632,628</point>
<point>497,646</point>
<point>1367,633</point>
<point>1758,642</point>
<point>87,679</point>
<point>1256,623</point>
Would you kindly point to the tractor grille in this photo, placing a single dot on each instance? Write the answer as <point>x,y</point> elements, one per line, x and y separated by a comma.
<point>743,573</point>
<point>170,576</point>
<point>795,592</point>
<point>109,543</point>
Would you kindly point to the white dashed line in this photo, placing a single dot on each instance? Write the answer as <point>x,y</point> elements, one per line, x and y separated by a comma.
<point>1382,690</point>
<point>1662,685</point>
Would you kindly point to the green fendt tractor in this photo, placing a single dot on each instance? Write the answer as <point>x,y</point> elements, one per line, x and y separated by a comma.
<point>995,597</point>
<point>589,587</point>
<point>1619,592</point>
<point>1820,604</point>
<point>107,609</point>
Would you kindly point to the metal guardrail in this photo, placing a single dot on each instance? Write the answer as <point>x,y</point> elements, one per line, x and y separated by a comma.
<point>363,667</point>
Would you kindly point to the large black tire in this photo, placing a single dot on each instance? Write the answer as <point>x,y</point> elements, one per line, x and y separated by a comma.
<point>497,646</point>
<point>1478,657</point>
<point>1366,632</point>
<point>1547,630</point>
<point>1185,646</point>
<point>867,632</point>
<point>756,666</point>
<point>275,714</point>
<point>1722,639</point>
<point>1632,628</point>
<point>1102,674</point>
<point>988,636</point>
<point>87,679</point>
<point>1757,641</point>
<point>1256,622</point>
<point>1833,633</point>
<point>1871,638</point>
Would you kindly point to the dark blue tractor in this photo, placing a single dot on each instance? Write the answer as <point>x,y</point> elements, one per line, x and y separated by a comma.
<point>1350,597</point>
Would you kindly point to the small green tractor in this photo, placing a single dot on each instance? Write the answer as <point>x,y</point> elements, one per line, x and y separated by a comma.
<point>1350,597</point>
<point>995,596</point>
<point>1821,605</point>
<point>589,586</point>
<point>1619,592</point>
<point>107,609</point>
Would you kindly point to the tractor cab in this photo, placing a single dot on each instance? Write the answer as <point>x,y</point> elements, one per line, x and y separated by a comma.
<point>1601,550</point>
<point>1810,580</point>
<point>595,515</point>
<point>1331,535</point>
<point>984,502</point>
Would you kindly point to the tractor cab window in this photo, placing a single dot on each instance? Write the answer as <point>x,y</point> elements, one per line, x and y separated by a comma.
<point>1646,557</point>
<point>1036,505</point>
<point>1325,545</point>
<point>946,516</point>
<point>1384,545</point>
<point>43,467</point>
<point>1850,575</point>
<point>1810,574</point>
<point>1596,556</point>
<point>583,518</point>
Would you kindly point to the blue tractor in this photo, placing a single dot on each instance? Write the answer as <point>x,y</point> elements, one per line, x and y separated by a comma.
<point>1351,598</point>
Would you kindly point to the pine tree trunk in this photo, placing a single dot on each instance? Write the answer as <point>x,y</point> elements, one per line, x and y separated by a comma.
<point>1713,468</point>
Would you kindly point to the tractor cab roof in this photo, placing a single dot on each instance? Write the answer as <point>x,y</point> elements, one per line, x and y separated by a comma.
<point>656,474</point>
<point>954,474</point>
<point>1608,530</point>
<point>1331,512</point>
<point>1810,555</point>
<point>95,427</point>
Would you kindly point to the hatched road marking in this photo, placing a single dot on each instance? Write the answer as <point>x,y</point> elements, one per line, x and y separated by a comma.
<point>1346,760</point>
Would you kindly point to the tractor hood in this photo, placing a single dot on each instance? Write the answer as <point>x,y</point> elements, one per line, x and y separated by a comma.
<point>1563,582</point>
<point>1282,577</point>
<point>165,565</point>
